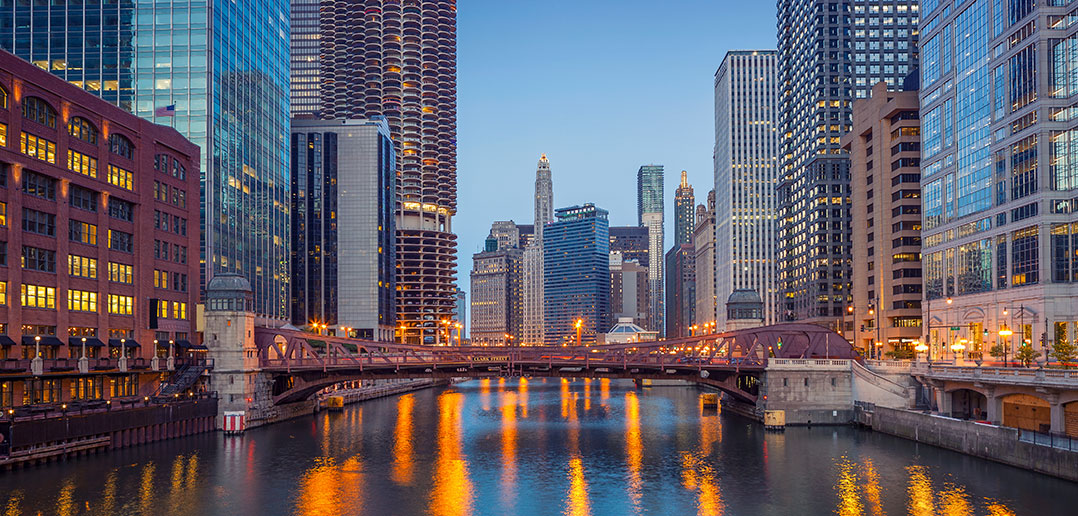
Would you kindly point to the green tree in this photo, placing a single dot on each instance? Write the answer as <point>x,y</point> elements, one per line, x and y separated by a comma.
<point>901,353</point>
<point>1026,354</point>
<point>1064,351</point>
<point>998,351</point>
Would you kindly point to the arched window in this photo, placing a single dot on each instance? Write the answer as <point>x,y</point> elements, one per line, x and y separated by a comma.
<point>3,98</point>
<point>120,145</point>
<point>82,129</point>
<point>36,109</point>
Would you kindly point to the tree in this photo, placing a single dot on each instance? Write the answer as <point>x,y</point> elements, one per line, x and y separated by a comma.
<point>998,351</point>
<point>900,353</point>
<point>1064,351</point>
<point>1026,354</point>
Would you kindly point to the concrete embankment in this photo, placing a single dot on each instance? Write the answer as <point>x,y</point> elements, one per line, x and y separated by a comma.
<point>380,391</point>
<point>995,443</point>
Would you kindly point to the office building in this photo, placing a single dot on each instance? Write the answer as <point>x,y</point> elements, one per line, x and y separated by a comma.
<point>680,290</point>
<point>632,242</point>
<point>576,271</point>
<point>628,290</point>
<point>649,209</point>
<point>343,200</point>
<point>532,327</point>
<point>828,55</point>
<point>684,211</point>
<point>886,203</point>
<point>497,293</point>
<point>125,276</point>
<point>156,61</point>
<point>999,178</point>
<point>398,60</point>
<point>461,314</point>
<point>746,176</point>
<point>704,247</point>
<point>305,57</point>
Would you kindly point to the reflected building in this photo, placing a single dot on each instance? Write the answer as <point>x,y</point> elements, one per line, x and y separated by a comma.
<point>746,175</point>
<point>649,209</point>
<point>999,172</point>
<point>155,61</point>
<point>343,193</point>
<point>576,274</point>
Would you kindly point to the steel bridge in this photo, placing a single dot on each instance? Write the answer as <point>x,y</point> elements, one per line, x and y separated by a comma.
<point>302,363</point>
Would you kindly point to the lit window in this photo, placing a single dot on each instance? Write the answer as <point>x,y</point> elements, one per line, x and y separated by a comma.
<point>37,296</point>
<point>121,305</point>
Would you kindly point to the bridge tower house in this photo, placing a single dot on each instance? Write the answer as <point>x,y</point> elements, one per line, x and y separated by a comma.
<point>228,332</point>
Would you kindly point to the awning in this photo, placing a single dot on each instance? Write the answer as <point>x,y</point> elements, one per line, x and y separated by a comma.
<point>129,343</point>
<point>6,341</point>
<point>184,344</point>
<point>46,340</point>
<point>92,342</point>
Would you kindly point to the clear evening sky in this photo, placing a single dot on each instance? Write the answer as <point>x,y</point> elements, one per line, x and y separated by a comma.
<point>600,86</point>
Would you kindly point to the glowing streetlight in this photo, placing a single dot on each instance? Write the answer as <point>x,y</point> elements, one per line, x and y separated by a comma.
<point>579,325</point>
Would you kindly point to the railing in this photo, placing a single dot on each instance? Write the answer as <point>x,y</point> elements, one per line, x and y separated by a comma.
<point>570,358</point>
<point>1018,375</point>
<point>61,365</point>
<point>903,365</point>
<point>75,408</point>
<point>1061,442</point>
<point>808,363</point>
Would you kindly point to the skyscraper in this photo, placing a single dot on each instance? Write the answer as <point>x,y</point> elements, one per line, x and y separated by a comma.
<point>704,246</point>
<point>532,331</point>
<point>398,59</point>
<point>684,206</point>
<point>633,244</point>
<point>746,175</point>
<point>628,290</point>
<point>649,210</point>
<point>343,192</point>
<point>306,61</point>
<point>576,286</point>
<point>156,61</point>
<point>680,290</point>
<point>828,55</point>
<point>497,290</point>
<point>999,178</point>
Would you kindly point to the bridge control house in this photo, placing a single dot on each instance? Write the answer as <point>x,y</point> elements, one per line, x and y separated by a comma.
<point>99,244</point>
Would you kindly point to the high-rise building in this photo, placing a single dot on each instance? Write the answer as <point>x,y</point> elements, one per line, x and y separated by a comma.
<point>684,216</point>
<point>649,210</point>
<point>156,61</point>
<point>704,247</point>
<point>124,273</point>
<point>343,192</point>
<point>576,270</point>
<point>999,178</point>
<point>306,60</point>
<point>746,176</point>
<point>680,290</point>
<point>461,315</point>
<point>506,233</point>
<point>633,244</point>
<point>398,59</point>
<point>886,226</point>
<point>496,297</point>
<point>828,54</point>
<point>532,330</point>
<point>628,290</point>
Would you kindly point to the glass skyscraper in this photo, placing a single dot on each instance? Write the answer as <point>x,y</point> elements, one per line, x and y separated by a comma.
<point>999,172</point>
<point>220,77</point>
<point>829,53</point>
<point>649,211</point>
<point>576,269</point>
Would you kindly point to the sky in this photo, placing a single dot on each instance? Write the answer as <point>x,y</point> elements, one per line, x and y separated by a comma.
<point>602,87</point>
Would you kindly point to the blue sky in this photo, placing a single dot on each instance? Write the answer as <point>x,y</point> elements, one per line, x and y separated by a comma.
<point>600,86</point>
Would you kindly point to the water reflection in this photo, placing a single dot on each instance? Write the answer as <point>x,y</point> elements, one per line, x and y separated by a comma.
<point>403,454</point>
<point>509,448</point>
<point>872,487</point>
<point>577,503</point>
<point>65,502</point>
<point>919,489</point>
<point>849,500</point>
<point>331,488</point>
<point>146,489</point>
<point>634,448</point>
<point>451,494</point>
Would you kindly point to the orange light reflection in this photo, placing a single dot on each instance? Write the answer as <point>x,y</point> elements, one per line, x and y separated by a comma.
<point>403,470</point>
<point>451,494</point>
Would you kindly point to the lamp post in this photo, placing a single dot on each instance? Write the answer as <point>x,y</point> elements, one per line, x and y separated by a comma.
<point>123,356</point>
<point>920,348</point>
<point>171,357</point>
<point>579,329</point>
<point>1006,332</point>
<point>84,363</point>
<point>37,365</point>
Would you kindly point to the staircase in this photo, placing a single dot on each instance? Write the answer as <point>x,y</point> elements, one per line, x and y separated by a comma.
<point>182,379</point>
<point>874,388</point>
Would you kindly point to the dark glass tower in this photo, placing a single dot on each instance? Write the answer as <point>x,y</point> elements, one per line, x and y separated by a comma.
<point>829,53</point>
<point>576,285</point>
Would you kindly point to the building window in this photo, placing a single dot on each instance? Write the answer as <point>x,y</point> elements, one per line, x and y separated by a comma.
<point>40,390</point>
<point>37,259</point>
<point>122,386</point>
<point>120,146</point>
<point>82,266</point>
<point>121,209</point>
<point>3,135</point>
<point>38,296</point>
<point>121,305</point>
<point>82,232</point>
<point>179,310</point>
<point>3,214</point>
<point>37,147</point>
<point>121,272</point>
<point>121,241</point>
<point>3,293</point>
<point>162,313</point>
<point>1024,259</point>
<point>38,222</point>
<point>81,301</point>
<point>39,185</point>
<point>122,178</point>
<point>82,129</point>
<point>87,388</point>
<point>83,198</point>
<point>81,163</point>
<point>36,109</point>
<point>160,279</point>
<point>3,98</point>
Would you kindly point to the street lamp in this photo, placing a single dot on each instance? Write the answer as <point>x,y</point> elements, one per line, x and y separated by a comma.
<point>1006,332</point>
<point>920,347</point>
<point>579,329</point>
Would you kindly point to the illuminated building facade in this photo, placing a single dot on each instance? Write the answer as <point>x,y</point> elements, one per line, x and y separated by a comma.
<point>576,271</point>
<point>649,209</point>
<point>532,326</point>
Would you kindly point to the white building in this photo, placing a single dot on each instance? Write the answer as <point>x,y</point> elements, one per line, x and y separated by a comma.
<point>746,175</point>
<point>532,328</point>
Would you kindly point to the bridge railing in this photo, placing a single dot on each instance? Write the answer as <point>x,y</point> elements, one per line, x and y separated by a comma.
<point>1019,375</point>
<point>808,363</point>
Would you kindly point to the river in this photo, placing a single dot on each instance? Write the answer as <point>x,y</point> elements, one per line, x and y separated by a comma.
<point>534,447</point>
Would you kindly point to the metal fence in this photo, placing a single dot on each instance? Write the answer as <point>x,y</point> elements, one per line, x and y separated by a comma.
<point>1061,442</point>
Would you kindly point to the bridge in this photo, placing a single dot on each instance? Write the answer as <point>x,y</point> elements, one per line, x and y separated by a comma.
<point>302,363</point>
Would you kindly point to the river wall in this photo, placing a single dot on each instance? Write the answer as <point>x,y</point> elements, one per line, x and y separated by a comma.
<point>995,443</point>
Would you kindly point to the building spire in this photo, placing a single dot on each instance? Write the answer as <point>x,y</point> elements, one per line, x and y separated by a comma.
<point>684,179</point>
